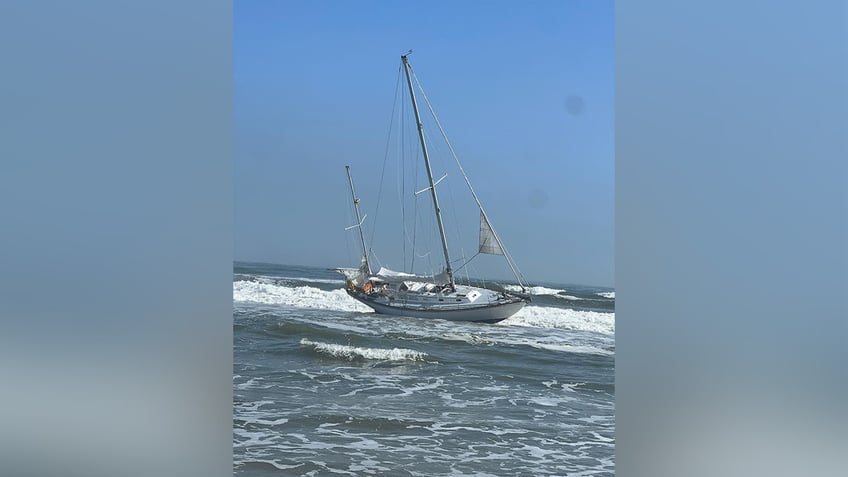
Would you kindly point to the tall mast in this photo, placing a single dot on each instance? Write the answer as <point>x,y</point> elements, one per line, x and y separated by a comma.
<point>358,219</point>
<point>448,269</point>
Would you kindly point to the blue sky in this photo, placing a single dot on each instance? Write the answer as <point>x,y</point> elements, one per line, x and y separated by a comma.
<point>524,91</point>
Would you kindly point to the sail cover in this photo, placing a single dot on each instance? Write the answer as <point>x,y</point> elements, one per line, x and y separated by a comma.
<point>488,243</point>
<point>392,276</point>
<point>357,275</point>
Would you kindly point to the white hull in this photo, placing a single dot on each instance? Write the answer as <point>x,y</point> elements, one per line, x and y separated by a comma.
<point>489,313</point>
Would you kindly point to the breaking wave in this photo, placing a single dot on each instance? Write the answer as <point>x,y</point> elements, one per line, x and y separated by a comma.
<point>354,352</point>
<point>302,297</point>
<point>555,346</point>
<point>546,317</point>
<point>338,300</point>
<point>275,280</point>
<point>336,281</point>
<point>610,294</point>
<point>537,290</point>
<point>540,290</point>
<point>568,297</point>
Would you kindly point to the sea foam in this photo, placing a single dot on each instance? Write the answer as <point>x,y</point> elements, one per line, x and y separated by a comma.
<point>540,290</point>
<point>337,281</point>
<point>355,352</point>
<point>537,290</point>
<point>302,297</point>
<point>610,294</point>
<point>311,297</point>
<point>546,317</point>
<point>563,347</point>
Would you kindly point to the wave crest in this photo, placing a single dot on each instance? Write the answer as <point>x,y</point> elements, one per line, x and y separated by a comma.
<point>540,290</point>
<point>302,297</point>
<point>338,300</point>
<point>545,317</point>
<point>355,352</point>
<point>536,290</point>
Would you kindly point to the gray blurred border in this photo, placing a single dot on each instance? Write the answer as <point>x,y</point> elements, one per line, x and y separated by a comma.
<point>115,251</point>
<point>731,233</point>
<point>116,241</point>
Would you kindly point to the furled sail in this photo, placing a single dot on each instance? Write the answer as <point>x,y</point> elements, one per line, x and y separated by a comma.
<point>392,276</point>
<point>357,275</point>
<point>488,243</point>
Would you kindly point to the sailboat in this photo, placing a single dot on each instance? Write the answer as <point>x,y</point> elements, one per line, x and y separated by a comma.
<point>439,296</point>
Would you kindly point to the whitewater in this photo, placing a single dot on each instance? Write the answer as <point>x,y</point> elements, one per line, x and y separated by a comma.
<point>323,385</point>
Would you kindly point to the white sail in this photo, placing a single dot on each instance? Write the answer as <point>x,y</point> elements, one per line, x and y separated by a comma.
<point>488,243</point>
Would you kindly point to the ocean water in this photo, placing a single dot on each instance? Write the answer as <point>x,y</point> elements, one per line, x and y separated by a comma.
<point>324,386</point>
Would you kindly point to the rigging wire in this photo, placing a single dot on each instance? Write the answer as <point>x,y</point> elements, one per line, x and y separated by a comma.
<point>347,219</point>
<point>436,154</point>
<point>456,228</point>
<point>403,209</point>
<point>401,174</point>
<point>385,159</point>
<point>402,171</point>
<point>518,275</point>
<point>466,263</point>
<point>379,262</point>
<point>467,278</point>
<point>409,149</point>
<point>415,218</point>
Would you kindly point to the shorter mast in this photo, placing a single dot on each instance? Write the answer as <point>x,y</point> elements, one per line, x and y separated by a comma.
<point>358,220</point>
<point>432,187</point>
